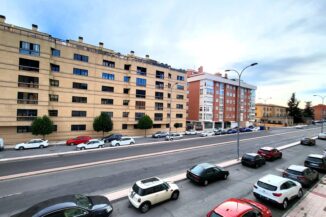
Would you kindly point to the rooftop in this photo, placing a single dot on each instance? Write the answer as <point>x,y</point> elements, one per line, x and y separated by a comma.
<point>150,182</point>
<point>297,168</point>
<point>273,179</point>
<point>270,105</point>
<point>267,148</point>
<point>316,156</point>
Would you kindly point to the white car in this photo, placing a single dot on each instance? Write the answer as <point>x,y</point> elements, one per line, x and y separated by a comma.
<point>33,143</point>
<point>151,191</point>
<point>93,143</point>
<point>123,141</point>
<point>255,129</point>
<point>191,132</point>
<point>277,189</point>
<point>173,136</point>
<point>207,133</point>
<point>300,126</point>
<point>322,136</point>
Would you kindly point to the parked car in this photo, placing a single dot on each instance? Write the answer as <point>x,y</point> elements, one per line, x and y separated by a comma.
<point>322,136</point>
<point>224,131</point>
<point>277,189</point>
<point>2,144</point>
<point>300,126</point>
<point>252,160</point>
<point>304,175</point>
<point>148,192</point>
<point>111,137</point>
<point>308,141</point>
<point>93,143</point>
<point>255,129</point>
<point>207,133</point>
<point>33,143</point>
<point>270,153</point>
<point>205,172</point>
<point>191,132</point>
<point>239,208</point>
<point>316,161</point>
<point>231,131</point>
<point>160,134</point>
<point>123,141</point>
<point>70,205</point>
<point>218,131</point>
<point>78,140</point>
<point>174,136</point>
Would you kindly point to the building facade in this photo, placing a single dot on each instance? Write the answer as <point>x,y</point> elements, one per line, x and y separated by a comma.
<point>319,112</point>
<point>213,101</point>
<point>272,114</point>
<point>73,82</point>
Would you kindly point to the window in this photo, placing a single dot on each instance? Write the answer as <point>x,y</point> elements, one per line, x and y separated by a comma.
<point>169,76</point>
<point>82,72</point>
<point>125,102</point>
<point>108,63</point>
<point>157,125</point>
<point>107,76</point>
<point>110,114</point>
<point>159,85</point>
<point>53,113</point>
<point>53,98</point>
<point>107,101</point>
<point>54,67</point>
<point>126,90</point>
<point>29,65</point>
<point>159,106</point>
<point>140,105</point>
<point>55,128</point>
<point>169,105</point>
<point>127,66</point>
<point>180,87</point>
<point>29,48</point>
<point>159,74</point>
<point>80,57</point>
<point>124,126</point>
<point>180,96</point>
<point>24,129</point>
<point>54,83</point>
<point>180,78</point>
<point>79,99</point>
<point>141,71</point>
<point>140,93</point>
<point>158,117</point>
<point>141,82</point>
<point>26,114</point>
<point>78,127</point>
<point>158,95</point>
<point>126,79</point>
<point>28,81</point>
<point>135,126</point>
<point>27,98</point>
<point>107,89</point>
<point>179,115</point>
<point>179,106</point>
<point>139,115</point>
<point>78,113</point>
<point>82,86</point>
<point>125,114</point>
<point>169,95</point>
<point>167,125</point>
<point>55,52</point>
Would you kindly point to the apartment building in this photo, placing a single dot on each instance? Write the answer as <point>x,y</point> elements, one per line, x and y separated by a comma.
<point>272,114</point>
<point>213,100</point>
<point>73,82</point>
<point>319,112</point>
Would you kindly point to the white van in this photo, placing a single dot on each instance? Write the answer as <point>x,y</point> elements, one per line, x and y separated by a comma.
<point>2,145</point>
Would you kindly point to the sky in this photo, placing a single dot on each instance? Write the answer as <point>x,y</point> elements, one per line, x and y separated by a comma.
<point>285,37</point>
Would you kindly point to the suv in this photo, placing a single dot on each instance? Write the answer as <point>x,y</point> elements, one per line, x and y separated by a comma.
<point>307,141</point>
<point>277,189</point>
<point>270,153</point>
<point>147,192</point>
<point>111,137</point>
<point>252,160</point>
<point>316,161</point>
<point>304,175</point>
<point>78,140</point>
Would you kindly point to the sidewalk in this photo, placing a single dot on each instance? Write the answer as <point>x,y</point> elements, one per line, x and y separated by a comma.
<point>313,204</point>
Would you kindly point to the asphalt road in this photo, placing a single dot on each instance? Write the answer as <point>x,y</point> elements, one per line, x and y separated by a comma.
<point>20,193</point>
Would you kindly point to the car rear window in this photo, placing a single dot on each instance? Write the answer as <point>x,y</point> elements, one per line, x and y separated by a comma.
<point>197,170</point>
<point>249,157</point>
<point>315,160</point>
<point>294,172</point>
<point>83,201</point>
<point>214,214</point>
<point>264,151</point>
<point>266,186</point>
<point>138,190</point>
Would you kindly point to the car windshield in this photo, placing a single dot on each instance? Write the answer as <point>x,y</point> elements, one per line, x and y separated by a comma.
<point>83,201</point>
<point>266,186</point>
<point>294,172</point>
<point>249,157</point>
<point>214,214</point>
<point>315,160</point>
<point>197,170</point>
<point>264,151</point>
<point>138,190</point>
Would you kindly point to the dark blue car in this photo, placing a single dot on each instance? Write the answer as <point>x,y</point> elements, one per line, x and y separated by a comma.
<point>231,131</point>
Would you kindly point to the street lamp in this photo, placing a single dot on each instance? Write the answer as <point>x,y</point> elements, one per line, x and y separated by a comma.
<point>239,74</point>
<point>322,112</point>
<point>171,87</point>
<point>265,102</point>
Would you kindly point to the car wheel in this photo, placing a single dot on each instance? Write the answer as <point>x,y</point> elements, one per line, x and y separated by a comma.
<point>82,148</point>
<point>300,193</point>
<point>144,207</point>
<point>175,195</point>
<point>21,148</point>
<point>285,203</point>
<point>206,182</point>
<point>225,176</point>
<point>117,144</point>
<point>101,146</point>
<point>41,146</point>
<point>132,143</point>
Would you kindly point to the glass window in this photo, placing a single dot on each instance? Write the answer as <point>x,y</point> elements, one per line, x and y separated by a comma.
<point>79,99</point>
<point>78,127</point>
<point>53,113</point>
<point>29,65</point>
<point>141,71</point>
<point>82,86</point>
<point>53,98</point>
<point>80,57</point>
<point>107,76</point>
<point>141,93</point>
<point>54,67</point>
<point>54,83</point>
<point>29,48</point>
<point>126,79</point>
<point>55,52</point>
<point>180,87</point>
<point>78,113</point>
<point>82,72</point>
<point>107,101</point>
<point>108,63</point>
<point>141,82</point>
<point>107,89</point>
<point>180,78</point>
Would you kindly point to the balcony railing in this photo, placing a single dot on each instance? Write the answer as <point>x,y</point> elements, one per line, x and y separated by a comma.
<point>29,68</point>
<point>29,52</point>
<point>26,118</point>
<point>158,97</point>
<point>159,87</point>
<point>140,107</point>
<point>158,119</point>
<point>30,85</point>
<point>160,76</point>
<point>27,101</point>
<point>159,108</point>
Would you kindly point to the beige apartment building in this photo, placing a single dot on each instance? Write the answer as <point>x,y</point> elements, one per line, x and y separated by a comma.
<point>272,114</point>
<point>73,82</point>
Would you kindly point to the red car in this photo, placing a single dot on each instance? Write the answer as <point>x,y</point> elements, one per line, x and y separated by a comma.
<point>235,207</point>
<point>78,140</point>
<point>269,153</point>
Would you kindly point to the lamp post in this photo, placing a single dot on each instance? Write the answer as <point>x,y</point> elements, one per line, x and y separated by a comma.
<point>171,105</point>
<point>239,74</point>
<point>265,102</point>
<point>322,112</point>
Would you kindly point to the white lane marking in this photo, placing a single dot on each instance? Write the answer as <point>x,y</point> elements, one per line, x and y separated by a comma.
<point>10,195</point>
<point>130,146</point>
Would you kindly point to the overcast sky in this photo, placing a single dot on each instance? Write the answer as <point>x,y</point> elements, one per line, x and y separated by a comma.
<point>287,38</point>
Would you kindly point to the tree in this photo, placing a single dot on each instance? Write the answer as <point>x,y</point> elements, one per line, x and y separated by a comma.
<point>308,112</point>
<point>145,123</point>
<point>294,110</point>
<point>103,123</point>
<point>177,125</point>
<point>42,126</point>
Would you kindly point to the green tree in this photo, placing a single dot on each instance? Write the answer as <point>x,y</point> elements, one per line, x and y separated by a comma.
<point>42,126</point>
<point>103,123</point>
<point>308,112</point>
<point>145,123</point>
<point>294,110</point>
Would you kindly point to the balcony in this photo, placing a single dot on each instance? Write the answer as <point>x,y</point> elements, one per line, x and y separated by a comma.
<point>26,118</point>
<point>28,85</point>
<point>158,119</point>
<point>159,97</point>
<point>159,108</point>
<point>161,87</point>
<point>27,101</point>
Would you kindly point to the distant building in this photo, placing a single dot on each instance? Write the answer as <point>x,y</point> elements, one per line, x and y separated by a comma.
<point>319,111</point>
<point>272,114</point>
<point>213,100</point>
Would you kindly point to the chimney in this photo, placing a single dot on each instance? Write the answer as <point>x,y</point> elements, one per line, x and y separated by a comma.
<point>101,44</point>
<point>226,75</point>
<point>147,56</point>
<point>132,52</point>
<point>80,39</point>
<point>201,69</point>
<point>34,27</point>
<point>2,19</point>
